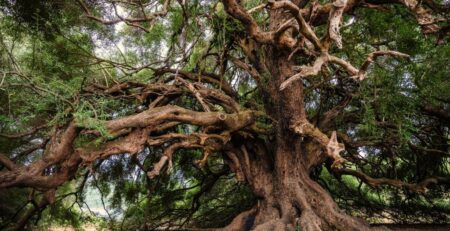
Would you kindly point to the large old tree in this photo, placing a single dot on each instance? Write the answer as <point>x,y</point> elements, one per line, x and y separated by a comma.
<point>286,115</point>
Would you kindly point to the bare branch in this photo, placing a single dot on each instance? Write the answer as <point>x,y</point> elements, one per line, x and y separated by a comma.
<point>362,72</point>
<point>304,127</point>
<point>334,148</point>
<point>306,71</point>
<point>372,56</point>
<point>334,23</point>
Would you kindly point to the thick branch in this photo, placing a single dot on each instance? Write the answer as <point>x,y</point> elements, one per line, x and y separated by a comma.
<point>334,23</point>
<point>420,187</point>
<point>208,142</point>
<point>154,116</point>
<point>304,27</point>
<point>59,151</point>
<point>5,161</point>
<point>131,144</point>
<point>362,72</point>
<point>167,157</point>
<point>207,77</point>
<point>238,12</point>
<point>333,148</point>
<point>306,71</point>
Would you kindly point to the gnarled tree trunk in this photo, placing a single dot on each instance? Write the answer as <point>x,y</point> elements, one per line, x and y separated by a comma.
<point>280,176</point>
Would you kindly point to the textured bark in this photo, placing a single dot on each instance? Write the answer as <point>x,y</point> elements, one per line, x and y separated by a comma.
<point>288,198</point>
<point>277,171</point>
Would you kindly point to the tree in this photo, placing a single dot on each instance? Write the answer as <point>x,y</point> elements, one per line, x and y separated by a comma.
<point>271,91</point>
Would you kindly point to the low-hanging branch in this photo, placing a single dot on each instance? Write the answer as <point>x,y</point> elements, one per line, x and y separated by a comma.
<point>131,134</point>
<point>420,187</point>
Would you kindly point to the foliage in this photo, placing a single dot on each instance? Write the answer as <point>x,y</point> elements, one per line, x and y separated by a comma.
<point>50,53</point>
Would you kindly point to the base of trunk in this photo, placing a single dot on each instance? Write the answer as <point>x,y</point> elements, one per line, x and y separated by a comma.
<point>296,203</point>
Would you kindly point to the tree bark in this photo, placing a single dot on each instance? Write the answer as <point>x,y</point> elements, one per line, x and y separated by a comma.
<point>288,198</point>
<point>291,200</point>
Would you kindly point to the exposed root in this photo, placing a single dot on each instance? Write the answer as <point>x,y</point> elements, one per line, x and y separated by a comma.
<point>276,224</point>
<point>310,221</point>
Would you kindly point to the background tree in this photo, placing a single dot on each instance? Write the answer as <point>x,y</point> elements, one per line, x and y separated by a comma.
<point>235,114</point>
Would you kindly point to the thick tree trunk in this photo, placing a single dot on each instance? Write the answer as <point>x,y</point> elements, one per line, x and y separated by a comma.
<point>288,198</point>
<point>293,201</point>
